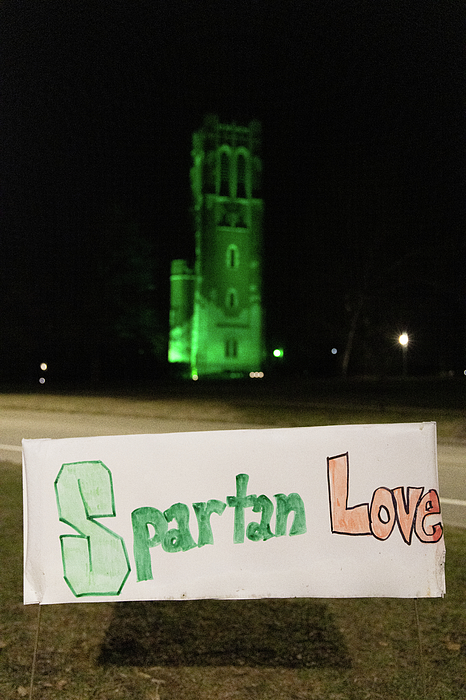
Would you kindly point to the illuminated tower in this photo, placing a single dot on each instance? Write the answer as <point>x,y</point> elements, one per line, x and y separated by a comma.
<point>216,312</point>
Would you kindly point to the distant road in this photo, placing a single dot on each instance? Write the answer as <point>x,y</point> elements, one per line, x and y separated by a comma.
<point>19,423</point>
<point>452,482</point>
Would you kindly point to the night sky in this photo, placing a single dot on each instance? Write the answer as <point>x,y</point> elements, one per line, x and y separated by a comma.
<point>362,106</point>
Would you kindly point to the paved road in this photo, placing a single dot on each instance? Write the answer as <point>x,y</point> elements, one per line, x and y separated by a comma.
<point>452,482</point>
<point>21,423</point>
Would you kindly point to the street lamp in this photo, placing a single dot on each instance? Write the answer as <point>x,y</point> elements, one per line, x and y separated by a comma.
<point>403,341</point>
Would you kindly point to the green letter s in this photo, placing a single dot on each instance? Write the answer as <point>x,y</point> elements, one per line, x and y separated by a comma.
<point>95,562</point>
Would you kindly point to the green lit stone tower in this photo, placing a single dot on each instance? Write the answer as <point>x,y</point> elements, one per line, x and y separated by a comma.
<point>216,311</point>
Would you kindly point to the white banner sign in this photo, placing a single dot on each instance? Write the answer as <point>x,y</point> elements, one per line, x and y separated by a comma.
<point>342,511</point>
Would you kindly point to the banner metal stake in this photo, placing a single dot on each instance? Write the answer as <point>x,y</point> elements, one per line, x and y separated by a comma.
<point>34,658</point>
<point>421,656</point>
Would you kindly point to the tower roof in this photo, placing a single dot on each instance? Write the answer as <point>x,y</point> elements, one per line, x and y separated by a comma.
<point>213,134</point>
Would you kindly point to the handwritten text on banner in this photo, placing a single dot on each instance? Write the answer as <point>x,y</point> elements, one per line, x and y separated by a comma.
<point>327,512</point>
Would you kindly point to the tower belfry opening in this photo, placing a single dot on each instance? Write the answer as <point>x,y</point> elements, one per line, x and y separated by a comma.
<point>216,320</point>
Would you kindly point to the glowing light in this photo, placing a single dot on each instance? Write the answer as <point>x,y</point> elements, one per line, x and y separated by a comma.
<point>278,352</point>
<point>43,366</point>
<point>194,377</point>
<point>42,380</point>
<point>256,375</point>
<point>334,351</point>
<point>403,339</point>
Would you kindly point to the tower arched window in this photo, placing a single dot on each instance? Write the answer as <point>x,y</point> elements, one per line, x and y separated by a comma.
<point>241,176</point>
<point>231,298</point>
<point>231,347</point>
<point>224,174</point>
<point>232,259</point>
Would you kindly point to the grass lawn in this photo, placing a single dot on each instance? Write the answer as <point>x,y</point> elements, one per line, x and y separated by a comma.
<point>340,649</point>
<point>288,405</point>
